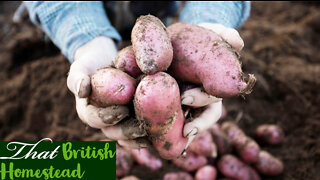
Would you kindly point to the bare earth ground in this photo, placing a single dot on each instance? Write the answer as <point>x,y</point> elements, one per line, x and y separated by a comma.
<point>282,41</point>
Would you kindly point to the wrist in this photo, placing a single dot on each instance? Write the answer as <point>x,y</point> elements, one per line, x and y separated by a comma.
<point>98,53</point>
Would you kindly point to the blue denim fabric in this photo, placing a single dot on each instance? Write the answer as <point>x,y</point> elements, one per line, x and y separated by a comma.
<point>228,13</point>
<point>71,24</point>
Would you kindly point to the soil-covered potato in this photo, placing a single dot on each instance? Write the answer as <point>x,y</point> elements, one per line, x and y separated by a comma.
<point>157,105</point>
<point>151,45</point>
<point>126,61</point>
<point>201,56</point>
<point>111,86</point>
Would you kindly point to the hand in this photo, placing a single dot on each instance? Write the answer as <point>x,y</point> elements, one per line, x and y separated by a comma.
<point>98,53</point>
<point>198,98</point>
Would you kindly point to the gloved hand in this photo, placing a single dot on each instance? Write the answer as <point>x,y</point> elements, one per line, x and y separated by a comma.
<point>99,53</point>
<point>198,98</point>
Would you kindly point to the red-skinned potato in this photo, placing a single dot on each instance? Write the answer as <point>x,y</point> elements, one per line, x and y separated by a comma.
<point>203,145</point>
<point>222,142</point>
<point>246,147</point>
<point>151,45</point>
<point>190,162</point>
<point>124,162</point>
<point>126,61</point>
<point>270,134</point>
<point>177,176</point>
<point>201,56</point>
<point>207,172</point>
<point>111,86</point>
<point>146,158</point>
<point>130,178</point>
<point>157,104</point>
<point>268,165</point>
<point>232,130</point>
<point>231,167</point>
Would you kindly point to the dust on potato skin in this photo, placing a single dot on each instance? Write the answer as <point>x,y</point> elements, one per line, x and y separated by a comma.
<point>164,126</point>
<point>123,52</point>
<point>188,65</point>
<point>100,97</point>
<point>269,134</point>
<point>268,164</point>
<point>124,161</point>
<point>149,58</point>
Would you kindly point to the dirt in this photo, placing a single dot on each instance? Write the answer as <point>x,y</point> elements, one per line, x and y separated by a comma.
<point>282,41</point>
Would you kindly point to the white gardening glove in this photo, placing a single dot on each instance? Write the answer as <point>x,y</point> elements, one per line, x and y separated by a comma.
<point>99,53</point>
<point>198,98</point>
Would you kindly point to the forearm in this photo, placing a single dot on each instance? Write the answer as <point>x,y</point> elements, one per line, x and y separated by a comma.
<point>71,24</point>
<point>230,14</point>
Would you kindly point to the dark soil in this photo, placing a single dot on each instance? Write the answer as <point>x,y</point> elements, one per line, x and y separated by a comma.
<point>282,41</point>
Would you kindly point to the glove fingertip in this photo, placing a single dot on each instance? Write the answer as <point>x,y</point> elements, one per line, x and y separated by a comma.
<point>84,87</point>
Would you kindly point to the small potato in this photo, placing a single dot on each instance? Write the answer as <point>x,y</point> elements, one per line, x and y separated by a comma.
<point>232,130</point>
<point>111,86</point>
<point>177,176</point>
<point>203,145</point>
<point>268,165</point>
<point>144,157</point>
<point>247,148</point>
<point>231,167</point>
<point>124,162</point>
<point>130,178</point>
<point>126,61</point>
<point>151,45</point>
<point>270,134</point>
<point>191,162</point>
<point>222,142</point>
<point>207,172</point>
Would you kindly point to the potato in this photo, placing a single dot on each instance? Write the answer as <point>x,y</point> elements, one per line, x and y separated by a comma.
<point>130,178</point>
<point>190,162</point>
<point>146,158</point>
<point>111,86</point>
<point>151,45</point>
<point>232,130</point>
<point>177,176</point>
<point>124,162</point>
<point>201,56</point>
<point>231,167</point>
<point>221,140</point>
<point>203,145</point>
<point>126,61</point>
<point>268,165</point>
<point>246,147</point>
<point>157,104</point>
<point>207,172</point>
<point>270,134</point>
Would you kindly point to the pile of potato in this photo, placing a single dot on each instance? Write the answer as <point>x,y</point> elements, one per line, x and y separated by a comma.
<point>222,151</point>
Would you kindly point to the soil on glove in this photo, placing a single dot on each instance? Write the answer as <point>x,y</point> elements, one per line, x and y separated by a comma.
<point>282,41</point>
